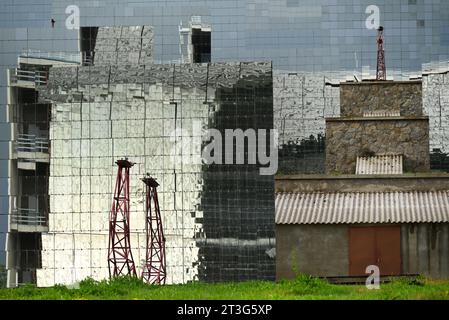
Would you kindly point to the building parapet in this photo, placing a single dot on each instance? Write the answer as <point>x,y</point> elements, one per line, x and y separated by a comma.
<point>363,183</point>
<point>376,118</point>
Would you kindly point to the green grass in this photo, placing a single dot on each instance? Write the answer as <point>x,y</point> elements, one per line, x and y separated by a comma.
<point>303,287</point>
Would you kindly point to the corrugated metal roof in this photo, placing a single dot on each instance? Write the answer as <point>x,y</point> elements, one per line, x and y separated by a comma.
<point>379,164</point>
<point>376,114</point>
<point>362,207</point>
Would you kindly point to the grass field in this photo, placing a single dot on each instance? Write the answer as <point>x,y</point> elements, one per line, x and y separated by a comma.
<point>303,287</point>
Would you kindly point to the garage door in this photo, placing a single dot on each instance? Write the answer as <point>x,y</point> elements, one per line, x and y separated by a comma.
<point>379,246</point>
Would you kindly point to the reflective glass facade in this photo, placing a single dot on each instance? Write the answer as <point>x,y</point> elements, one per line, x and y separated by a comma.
<point>309,43</point>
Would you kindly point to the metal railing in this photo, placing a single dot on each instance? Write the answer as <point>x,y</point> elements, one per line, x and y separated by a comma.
<point>31,143</point>
<point>25,216</point>
<point>38,78</point>
<point>58,56</point>
<point>88,58</point>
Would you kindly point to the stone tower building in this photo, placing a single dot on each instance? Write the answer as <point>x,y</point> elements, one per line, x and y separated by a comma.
<point>378,119</point>
<point>378,203</point>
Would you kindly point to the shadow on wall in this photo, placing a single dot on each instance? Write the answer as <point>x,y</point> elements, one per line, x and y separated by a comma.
<point>304,156</point>
<point>238,202</point>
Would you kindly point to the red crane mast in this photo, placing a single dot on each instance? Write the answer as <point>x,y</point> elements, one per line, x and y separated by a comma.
<point>120,258</point>
<point>154,269</point>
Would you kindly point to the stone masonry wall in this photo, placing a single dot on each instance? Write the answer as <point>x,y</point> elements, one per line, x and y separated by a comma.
<point>347,139</point>
<point>403,97</point>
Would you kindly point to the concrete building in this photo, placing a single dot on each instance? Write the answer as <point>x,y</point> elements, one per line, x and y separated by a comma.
<point>378,203</point>
<point>28,165</point>
<point>218,219</point>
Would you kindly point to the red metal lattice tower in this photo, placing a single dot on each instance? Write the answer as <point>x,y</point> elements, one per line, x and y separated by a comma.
<point>120,258</point>
<point>381,68</point>
<point>153,271</point>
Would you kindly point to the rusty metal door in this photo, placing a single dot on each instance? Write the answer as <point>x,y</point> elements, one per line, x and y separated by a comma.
<point>380,246</point>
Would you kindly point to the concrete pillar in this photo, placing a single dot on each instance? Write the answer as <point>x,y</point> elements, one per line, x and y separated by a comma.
<point>11,244</point>
<point>423,249</point>
<point>412,235</point>
<point>434,231</point>
<point>444,251</point>
<point>404,249</point>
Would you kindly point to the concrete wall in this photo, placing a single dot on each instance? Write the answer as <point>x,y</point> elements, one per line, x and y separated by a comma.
<point>353,183</point>
<point>322,250</point>
<point>360,97</point>
<point>425,249</point>
<point>319,250</point>
<point>346,139</point>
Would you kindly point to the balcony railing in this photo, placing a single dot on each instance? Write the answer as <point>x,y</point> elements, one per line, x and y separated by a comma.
<point>57,56</point>
<point>37,78</point>
<point>87,57</point>
<point>31,217</point>
<point>31,143</point>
